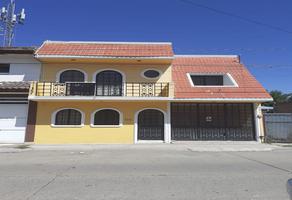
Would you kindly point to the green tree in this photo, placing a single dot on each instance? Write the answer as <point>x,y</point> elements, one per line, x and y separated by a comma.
<point>279,97</point>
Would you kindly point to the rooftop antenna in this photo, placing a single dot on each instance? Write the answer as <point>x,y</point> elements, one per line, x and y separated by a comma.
<point>8,20</point>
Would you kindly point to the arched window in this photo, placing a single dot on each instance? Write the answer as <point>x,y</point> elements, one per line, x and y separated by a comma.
<point>107,117</point>
<point>71,76</point>
<point>68,117</point>
<point>109,83</point>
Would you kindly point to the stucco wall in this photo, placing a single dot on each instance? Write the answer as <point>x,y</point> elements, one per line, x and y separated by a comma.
<point>46,134</point>
<point>132,72</point>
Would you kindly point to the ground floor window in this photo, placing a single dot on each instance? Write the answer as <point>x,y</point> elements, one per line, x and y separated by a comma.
<point>68,117</point>
<point>107,117</point>
<point>191,121</point>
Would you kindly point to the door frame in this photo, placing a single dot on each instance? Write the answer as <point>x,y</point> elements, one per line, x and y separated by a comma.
<point>166,125</point>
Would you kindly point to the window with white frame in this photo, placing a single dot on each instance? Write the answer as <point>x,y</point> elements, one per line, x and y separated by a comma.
<point>216,80</point>
<point>68,117</point>
<point>106,117</point>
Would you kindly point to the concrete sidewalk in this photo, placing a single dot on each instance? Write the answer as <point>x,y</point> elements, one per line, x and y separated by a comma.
<point>196,146</point>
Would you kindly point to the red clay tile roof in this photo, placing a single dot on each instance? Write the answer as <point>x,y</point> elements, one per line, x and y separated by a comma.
<point>248,86</point>
<point>105,49</point>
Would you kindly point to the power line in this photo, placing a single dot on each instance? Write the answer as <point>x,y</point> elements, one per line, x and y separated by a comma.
<point>222,12</point>
<point>270,66</point>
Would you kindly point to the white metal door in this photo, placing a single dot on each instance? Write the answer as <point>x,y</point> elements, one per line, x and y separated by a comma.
<point>13,119</point>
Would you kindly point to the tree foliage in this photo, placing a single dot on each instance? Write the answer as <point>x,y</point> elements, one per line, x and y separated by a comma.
<point>279,97</point>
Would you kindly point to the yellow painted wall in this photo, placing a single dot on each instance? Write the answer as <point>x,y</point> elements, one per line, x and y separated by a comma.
<point>131,71</point>
<point>46,134</point>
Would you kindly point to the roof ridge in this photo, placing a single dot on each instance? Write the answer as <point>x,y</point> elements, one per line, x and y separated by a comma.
<point>108,42</point>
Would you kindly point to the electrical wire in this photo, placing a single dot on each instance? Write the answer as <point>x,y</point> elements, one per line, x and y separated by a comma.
<point>222,12</point>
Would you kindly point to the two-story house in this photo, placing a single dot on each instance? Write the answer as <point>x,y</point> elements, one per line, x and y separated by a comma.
<point>17,68</point>
<point>126,92</point>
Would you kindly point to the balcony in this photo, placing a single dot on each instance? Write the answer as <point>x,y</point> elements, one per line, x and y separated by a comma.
<point>49,89</point>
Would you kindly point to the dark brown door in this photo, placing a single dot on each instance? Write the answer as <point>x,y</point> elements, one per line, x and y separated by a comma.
<point>150,125</point>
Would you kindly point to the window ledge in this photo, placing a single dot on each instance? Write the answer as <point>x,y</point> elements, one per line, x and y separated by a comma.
<point>67,126</point>
<point>106,126</point>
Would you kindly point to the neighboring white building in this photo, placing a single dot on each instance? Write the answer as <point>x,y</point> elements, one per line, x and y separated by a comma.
<point>17,67</point>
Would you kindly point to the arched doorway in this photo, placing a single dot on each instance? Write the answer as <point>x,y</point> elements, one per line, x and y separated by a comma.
<point>109,83</point>
<point>150,125</point>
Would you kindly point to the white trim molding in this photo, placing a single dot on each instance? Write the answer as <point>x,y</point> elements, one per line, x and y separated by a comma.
<point>97,98</point>
<point>106,126</point>
<point>68,69</point>
<point>53,119</point>
<point>156,78</point>
<point>234,83</point>
<point>121,98</point>
<point>166,125</point>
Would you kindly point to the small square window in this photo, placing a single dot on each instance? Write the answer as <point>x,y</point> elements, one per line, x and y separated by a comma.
<point>211,80</point>
<point>4,68</point>
<point>207,79</point>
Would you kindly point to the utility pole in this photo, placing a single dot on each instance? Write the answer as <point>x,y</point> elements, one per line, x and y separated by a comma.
<point>8,20</point>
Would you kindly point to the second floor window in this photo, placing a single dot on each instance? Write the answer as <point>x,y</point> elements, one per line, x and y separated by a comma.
<point>4,68</point>
<point>151,74</point>
<point>207,80</point>
<point>109,83</point>
<point>72,76</point>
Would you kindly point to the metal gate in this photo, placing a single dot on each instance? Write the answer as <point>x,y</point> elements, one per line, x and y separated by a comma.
<point>191,121</point>
<point>150,125</point>
<point>278,127</point>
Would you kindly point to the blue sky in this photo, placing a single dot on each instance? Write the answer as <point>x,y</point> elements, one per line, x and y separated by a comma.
<point>193,30</point>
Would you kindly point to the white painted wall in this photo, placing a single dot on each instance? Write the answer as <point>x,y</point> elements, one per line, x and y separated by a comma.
<point>22,68</point>
<point>13,119</point>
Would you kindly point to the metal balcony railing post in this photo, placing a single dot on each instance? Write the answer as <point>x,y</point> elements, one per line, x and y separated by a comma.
<point>36,89</point>
<point>51,84</point>
<point>43,89</point>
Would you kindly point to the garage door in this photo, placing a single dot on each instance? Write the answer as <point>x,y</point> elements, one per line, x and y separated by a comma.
<point>192,121</point>
<point>13,122</point>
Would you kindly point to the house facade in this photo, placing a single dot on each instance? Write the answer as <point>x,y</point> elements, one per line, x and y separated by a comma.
<point>17,68</point>
<point>124,92</point>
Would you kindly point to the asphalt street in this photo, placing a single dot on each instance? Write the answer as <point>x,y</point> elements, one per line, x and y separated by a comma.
<point>154,172</point>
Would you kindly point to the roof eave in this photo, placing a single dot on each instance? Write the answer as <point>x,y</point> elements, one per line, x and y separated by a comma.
<point>253,100</point>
